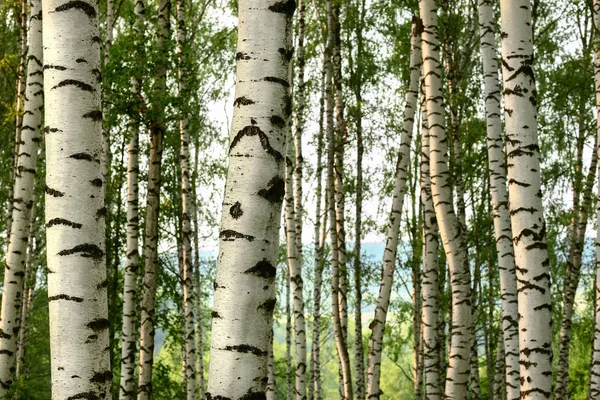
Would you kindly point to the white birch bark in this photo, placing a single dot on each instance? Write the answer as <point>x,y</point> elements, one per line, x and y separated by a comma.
<point>22,200</point>
<point>244,296</point>
<point>132,261</point>
<point>300,106</point>
<point>186,220</point>
<point>295,273</point>
<point>79,326</point>
<point>377,326</point>
<point>500,387</point>
<point>336,307</point>
<point>499,194</point>
<point>525,202</point>
<point>28,290</point>
<point>429,285</point>
<point>594,389</point>
<point>157,132</point>
<point>21,81</point>
<point>320,235</point>
<point>450,227</point>
<point>271,384</point>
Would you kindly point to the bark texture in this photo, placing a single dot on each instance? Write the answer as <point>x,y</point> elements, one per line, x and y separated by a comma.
<point>450,227</point>
<point>377,326</point>
<point>429,284</point>
<point>79,326</point>
<point>499,193</point>
<point>244,288</point>
<point>525,202</point>
<point>22,200</point>
<point>157,132</point>
<point>132,261</point>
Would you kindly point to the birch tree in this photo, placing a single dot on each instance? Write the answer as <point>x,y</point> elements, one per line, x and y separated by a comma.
<point>22,201</point>
<point>449,225</point>
<point>525,202</point>
<point>244,296</point>
<point>132,261</point>
<point>75,202</point>
<point>157,132</point>
<point>499,194</point>
<point>389,256</point>
<point>594,389</point>
<point>429,285</point>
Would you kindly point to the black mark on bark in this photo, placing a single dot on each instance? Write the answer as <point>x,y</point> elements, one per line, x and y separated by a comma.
<point>87,250</point>
<point>87,8</point>
<point>263,269</point>
<point>236,210</point>
<point>275,192</point>
<point>62,221</point>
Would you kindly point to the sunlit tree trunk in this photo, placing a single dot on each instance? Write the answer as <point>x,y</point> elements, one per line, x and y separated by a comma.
<point>337,258</point>
<point>21,80</point>
<point>157,132</point>
<point>594,389</point>
<point>244,296</point>
<point>319,243</point>
<point>187,211</point>
<point>499,193</point>
<point>429,284</point>
<point>389,257</point>
<point>132,261</point>
<point>450,227</point>
<point>500,387</point>
<point>525,202</point>
<point>77,292</point>
<point>572,273</point>
<point>22,200</point>
<point>295,277</point>
<point>31,267</point>
<point>271,384</point>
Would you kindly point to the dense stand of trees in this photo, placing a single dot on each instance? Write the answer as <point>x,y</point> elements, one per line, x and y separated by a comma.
<point>402,207</point>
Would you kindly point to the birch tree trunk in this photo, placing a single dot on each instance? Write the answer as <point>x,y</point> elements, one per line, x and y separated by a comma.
<point>271,384</point>
<point>525,202</point>
<point>377,326</point>
<point>572,280</point>
<point>594,389</point>
<point>289,385</point>
<point>319,238</point>
<point>79,326</point>
<point>300,106</point>
<point>157,133</point>
<point>132,261</point>
<point>295,273</point>
<point>429,285</point>
<point>500,386</point>
<point>28,290</point>
<point>499,194</point>
<point>186,218</point>
<point>21,80</point>
<point>22,200</point>
<point>336,256</point>
<point>450,227</point>
<point>244,296</point>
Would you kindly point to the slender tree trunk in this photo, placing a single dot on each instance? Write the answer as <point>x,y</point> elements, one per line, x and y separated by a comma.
<point>336,256</point>
<point>475,385</point>
<point>300,106</point>
<point>22,200</point>
<point>340,195</point>
<point>295,274</point>
<point>244,296</point>
<point>289,385</point>
<point>525,202</point>
<point>594,389</point>
<point>500,386</point>
<point>499,194</point>
<point>389,257</point>
<point>21,20</point>
<point>429,290</point>
<point>199,320</point>
<point>417,333</point>
<point>132,261</point>
<point>572,279</point>
<point>28,290</point>
<point>319,237</point>
<point>360,149</point>
<point>157,132</point>
<point>79,334</point>
<point>271,384</point>
<point>450,227</point>
<point>186,218</point>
